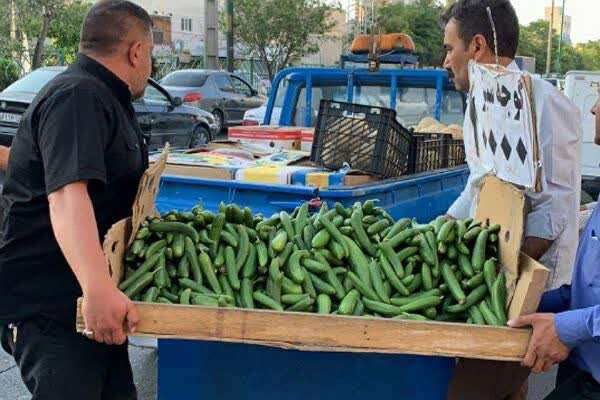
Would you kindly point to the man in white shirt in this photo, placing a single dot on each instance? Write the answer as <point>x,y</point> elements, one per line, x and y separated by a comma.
<point>551,224</point>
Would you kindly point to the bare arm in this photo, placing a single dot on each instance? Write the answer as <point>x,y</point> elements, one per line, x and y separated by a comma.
<point>4,153</point>
<point>536,247</point>
<point>105,308</point>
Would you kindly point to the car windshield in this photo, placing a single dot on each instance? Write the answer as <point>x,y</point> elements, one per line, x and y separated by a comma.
<point>33,82</point>
<point>184,79</point>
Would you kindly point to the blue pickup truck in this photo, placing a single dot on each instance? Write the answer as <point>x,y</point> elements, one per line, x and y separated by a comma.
<point>195,369</point>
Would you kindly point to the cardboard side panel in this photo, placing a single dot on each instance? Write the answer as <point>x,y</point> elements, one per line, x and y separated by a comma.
<point>146,194</point>
<point>115,245</point>
<point>530,287</point>
<point>501,203</point>
<point>334,333</point>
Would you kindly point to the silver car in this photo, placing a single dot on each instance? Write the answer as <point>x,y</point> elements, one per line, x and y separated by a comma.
<point>225,95</point>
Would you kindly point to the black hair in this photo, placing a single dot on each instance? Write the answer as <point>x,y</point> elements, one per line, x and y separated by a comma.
<point>472,19</point>
<point>107,24</point>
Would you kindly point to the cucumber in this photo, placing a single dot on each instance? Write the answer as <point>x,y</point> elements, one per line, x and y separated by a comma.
<point>172,227</point>
<point>139,284</point>
<point>155,248</point>
<point>392,276</point>
<point>377,281</point>
<point>190,253</point>
<point>348,303</point>
<point>323,304</point>
<point>321,286</point>
<point>279,241</point>
<point>178,245</point>
<point>231,269</point>
<point>246,291</point>
<point>150,295</point>
<point>302,305</point>
<point>314,266</point>
<point>473,298</point>
<point>364,288</point>
<point>244,247</point>
<point>499,298</point>
<point>321,239</point>
<point>378,226</point>
<point>465,265</point>
<point>286,222</point>
<point>144,268</point>
<point>290,299</point>
<point>262,253</point>
<point>209,272</point>
<point>453,284</point>
<point>267,301</point>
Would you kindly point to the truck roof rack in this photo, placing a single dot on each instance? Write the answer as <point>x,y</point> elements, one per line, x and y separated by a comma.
<point>395,57</point>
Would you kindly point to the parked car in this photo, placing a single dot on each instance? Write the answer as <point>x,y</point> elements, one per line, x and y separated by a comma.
<point>225,95</point>
<point>163,118</point>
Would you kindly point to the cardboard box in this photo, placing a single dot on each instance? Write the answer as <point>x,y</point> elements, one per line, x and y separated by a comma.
<point>274,137</point>
<point>200,172</point>
<point>311,332</point>
<point>316,177</point>
<point>307,138</point>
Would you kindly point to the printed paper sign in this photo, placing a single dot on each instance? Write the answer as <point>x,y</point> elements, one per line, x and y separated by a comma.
<point>500,129</point>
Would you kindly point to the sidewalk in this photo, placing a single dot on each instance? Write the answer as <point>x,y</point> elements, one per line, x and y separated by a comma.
<point>143,361</point>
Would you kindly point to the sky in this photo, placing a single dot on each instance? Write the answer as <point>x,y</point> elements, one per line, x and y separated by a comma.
<point>585,15</point>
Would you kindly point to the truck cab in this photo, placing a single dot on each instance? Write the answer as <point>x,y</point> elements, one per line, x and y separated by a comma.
<point>413,93</point>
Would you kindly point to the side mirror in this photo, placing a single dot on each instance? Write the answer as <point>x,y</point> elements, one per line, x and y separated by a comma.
<point>177,101</point>
<point>254,92</point>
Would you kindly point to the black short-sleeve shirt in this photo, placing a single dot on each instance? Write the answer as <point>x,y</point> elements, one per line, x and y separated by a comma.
<point>80,127</point>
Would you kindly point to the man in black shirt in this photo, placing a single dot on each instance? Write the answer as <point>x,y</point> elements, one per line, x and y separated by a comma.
<point>74,169</point>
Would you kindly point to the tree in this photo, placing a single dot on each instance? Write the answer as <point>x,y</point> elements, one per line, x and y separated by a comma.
<point>590,55</point>
<point>37,23</point>
<point>420,20</point>
<point>533,42</point>
<point>280,31</point>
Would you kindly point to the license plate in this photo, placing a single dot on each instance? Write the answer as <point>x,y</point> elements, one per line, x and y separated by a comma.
<point>9,117</point>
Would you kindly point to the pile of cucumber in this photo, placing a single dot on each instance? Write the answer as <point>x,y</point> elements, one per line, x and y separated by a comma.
<point>334,260</point>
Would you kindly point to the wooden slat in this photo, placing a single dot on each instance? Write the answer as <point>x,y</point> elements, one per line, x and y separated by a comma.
<point>313,332</point>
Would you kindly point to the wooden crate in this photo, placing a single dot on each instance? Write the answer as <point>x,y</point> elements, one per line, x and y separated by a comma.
<point>313,332</point>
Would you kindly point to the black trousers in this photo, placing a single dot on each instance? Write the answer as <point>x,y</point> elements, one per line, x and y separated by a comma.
<point>58,363</point>
<point>574,384</point>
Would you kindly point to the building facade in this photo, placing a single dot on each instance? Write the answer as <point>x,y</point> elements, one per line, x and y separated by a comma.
<point>557,21</point>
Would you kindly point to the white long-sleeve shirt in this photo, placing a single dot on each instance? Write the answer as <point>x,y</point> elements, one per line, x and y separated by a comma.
<point>553,211</point>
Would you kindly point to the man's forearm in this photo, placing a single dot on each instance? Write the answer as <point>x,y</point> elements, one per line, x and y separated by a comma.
<point>76,231</point>
<point>536,247</point>
<point>4,154</point>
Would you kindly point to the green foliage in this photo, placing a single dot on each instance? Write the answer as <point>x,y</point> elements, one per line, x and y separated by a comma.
<point>590,55</point>
<point>8,72</point>
<point>533,42</point>
<point>280,31</point>
<point>421,21</point>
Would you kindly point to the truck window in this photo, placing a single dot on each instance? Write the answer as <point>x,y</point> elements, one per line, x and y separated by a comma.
<point>336,93</point>
<point>414,104</point>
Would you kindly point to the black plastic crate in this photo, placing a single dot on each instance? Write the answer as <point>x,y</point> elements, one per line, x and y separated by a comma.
<point>368,138</point>
<point>431,151</point>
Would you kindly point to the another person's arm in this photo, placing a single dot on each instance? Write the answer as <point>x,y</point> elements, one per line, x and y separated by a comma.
<point>72,149</point>
<point>4,153</point>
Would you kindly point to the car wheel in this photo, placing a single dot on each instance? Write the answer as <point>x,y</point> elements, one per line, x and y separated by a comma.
<point>200,137</point>
<point>219,120</point>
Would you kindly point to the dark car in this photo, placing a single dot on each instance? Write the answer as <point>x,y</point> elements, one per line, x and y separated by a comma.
<point>163,118</point>
<point>225,95</point>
